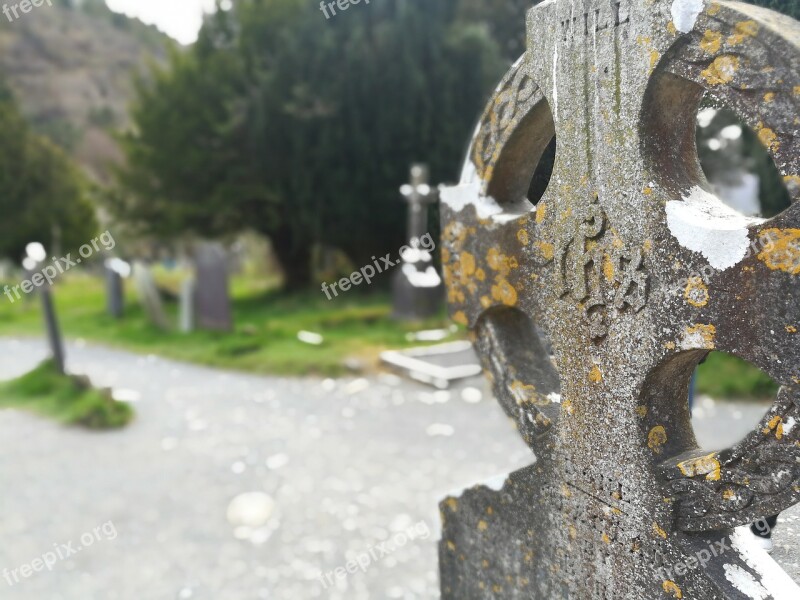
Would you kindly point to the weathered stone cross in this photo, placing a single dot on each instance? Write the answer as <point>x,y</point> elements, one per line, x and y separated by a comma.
<point>602,273</point>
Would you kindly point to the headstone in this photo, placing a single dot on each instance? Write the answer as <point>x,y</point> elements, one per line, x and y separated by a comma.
<point>187,305</point>
<point>149,295</point>
<point>634,271</point>
<point>211,300</point>
<point>417,290</point>
<point>116,270</point>
<point>35,256</point>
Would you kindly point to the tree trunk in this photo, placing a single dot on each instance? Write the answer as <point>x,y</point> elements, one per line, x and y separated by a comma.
<point>295,261</point>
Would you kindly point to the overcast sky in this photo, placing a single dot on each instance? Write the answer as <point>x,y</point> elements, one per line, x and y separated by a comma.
<point>180,19</point>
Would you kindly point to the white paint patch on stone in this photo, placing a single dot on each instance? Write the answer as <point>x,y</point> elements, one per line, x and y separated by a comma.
<point>745,582</point>
<point>460,196</point>
<point>789,424</point>
<point>469,193</point>
<point>685,13</point>
<point>693,340</point>
<point>777,583</point>
<point>554,398</point>
<point>702,223</point>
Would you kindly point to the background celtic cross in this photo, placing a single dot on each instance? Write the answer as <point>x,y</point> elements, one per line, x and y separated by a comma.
<point>587,317</point>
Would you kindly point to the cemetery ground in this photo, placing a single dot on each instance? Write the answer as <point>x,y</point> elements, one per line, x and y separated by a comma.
<point>232,485</point>
<point>69,399</point>
<point>355,329</point>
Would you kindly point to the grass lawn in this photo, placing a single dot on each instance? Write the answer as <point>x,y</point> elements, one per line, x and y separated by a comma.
<point>67,399</point>
<point>266,327</point>
<point>725,376</point>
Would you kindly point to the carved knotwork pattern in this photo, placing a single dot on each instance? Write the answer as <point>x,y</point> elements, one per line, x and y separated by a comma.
<point>514,98</point>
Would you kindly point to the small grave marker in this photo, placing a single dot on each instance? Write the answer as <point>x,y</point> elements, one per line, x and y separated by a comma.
<point>417,287</point>
<point>212,305</point>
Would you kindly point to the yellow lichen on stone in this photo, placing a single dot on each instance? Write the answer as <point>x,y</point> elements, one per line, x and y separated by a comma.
<point>722,70</point>
<point>482,525</point>
<point>480,274</point>
<point>671,28</point>
<point>659,532</point>
<point>461,318</point>
<point>523,393</point>
<point>696,292</point>
<point>606,539</point>
<point>699,336</point>
<point>648,191</point>
<point>541,212</point>
<point>486,302</point>
<point>768,137</point>
<point>783,251</point>
<point>546,250</point>
<point>714,9</point>
<point>711,42</point>
<point>641,411</point>
<point>769,97</point>
<point>467,264</point>
<point>670,587</point>
<point>504,292</point>
<point>595,375</point>
<point>566,406</point>
<point>728,494</point>
<point>792,181</point>
<point>500,262</point>
<point>655,56</point>
<point>791,329</point>
<point>452,504</point>
<point>744,30</point>
<point>775,424</point>
<point>657,438</point>
<point>451,546</point>
<point>522,237</point>
<point>608,268</point>
<point>704,465</point>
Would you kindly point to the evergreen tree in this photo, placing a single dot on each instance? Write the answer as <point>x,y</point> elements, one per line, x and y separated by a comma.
<point>45,197</point>
<point>303,128</point>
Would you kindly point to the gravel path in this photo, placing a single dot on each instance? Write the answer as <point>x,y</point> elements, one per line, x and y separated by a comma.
<point>236,487</point>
